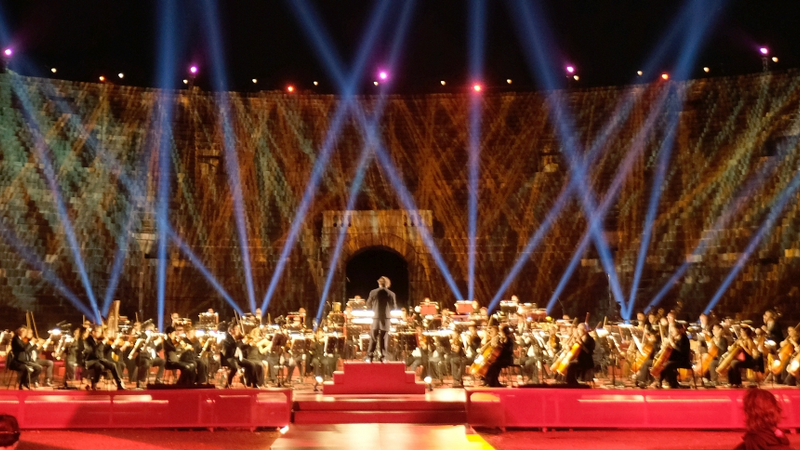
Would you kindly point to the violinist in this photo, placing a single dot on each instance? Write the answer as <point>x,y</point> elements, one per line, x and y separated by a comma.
<point>148,357</point>
<point>771,327</point>
<point>69,354</point>
<point>96,362</point>
<point>679,358</point>
<point>316,355</point>
<point>230,352</point>
<point>503,344</point>
<point>37,347</point>
<point>253,346</point>
<point>419,356</point>
<point>751,356</point>
<point>583,366</point>
<point>192,354</point>
<point>21,362</point>
<point>173,347</point>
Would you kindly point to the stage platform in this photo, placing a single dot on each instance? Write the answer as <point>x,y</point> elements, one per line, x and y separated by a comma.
<point>552,407</point>
<point>173,408</point>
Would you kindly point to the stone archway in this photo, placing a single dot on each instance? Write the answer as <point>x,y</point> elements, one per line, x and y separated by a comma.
<point>365,267</point>
<point>397,230</point>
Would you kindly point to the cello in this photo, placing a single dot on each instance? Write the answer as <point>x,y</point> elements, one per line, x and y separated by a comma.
<point>784,355</point>
<point>663,355</point>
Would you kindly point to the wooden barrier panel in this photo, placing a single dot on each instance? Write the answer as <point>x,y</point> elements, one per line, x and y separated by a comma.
<point>718,409</point>
<point>178,408</point>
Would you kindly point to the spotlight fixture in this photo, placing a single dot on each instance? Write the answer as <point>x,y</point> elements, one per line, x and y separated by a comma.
<point>476,87</point>
<point>318,380</point>
<point>8,52</point>
<point>102,78</point>
<point>54,70</point>
<point>706,69</point>
<point>193,70</point>
<point>185,81</point>
<point>665,76</point>
<point>639,72</point>
<point>121,75</point>
<point>290,89</point>
<point>383,75</point>
<point>442,82</point>
<point>570,69</point>
<point>764,51</point>
<point>429,382</point>
<point>316,83</point>
<point>774,59</point>
<point>508,80</point>
<point>576,78</point>
<point>255,81</point>
<point>284,430</point>
<point>375,83</point>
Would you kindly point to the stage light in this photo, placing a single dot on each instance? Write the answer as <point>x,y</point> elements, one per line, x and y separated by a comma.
<point>185,81</point>
<point>476,87</point>
<point>284,430</point>
<point>8,52</point>
<point>764,51</point>
<point>193,70</point>
<point>121,75</point>
<point>375,83</point>
<point>53,70</point>
<point>706,69</point>
<point>508,80</point>
<point>774,59</point>
<point>255,81</point>
<point>102,78</point>
<point>442,82</point>
<point>316,83</point>
<point>665,76</point>
<point>290,88</point>
<point>383,75</point>
<point>570,69</point>
<point>576,78</point>
<point>639,72</point>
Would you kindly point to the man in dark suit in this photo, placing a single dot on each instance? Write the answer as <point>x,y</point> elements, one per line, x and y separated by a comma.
<point>381,301</point>
<point>21,362</point>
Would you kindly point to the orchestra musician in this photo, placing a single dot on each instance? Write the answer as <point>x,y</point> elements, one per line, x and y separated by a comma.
<point>651,345</point>
<point>147,356</point>
<point>720,343</point>
<point>458,359</point>
<point>316,356</point>
<point>253,347</point>
<point>503,343</point>
<point>381,301</point>
<point>21,362</point>
<point>771,326</point>
<point>229,353</point>
<point>751,356</point>
<point>419,356</point>
<point>173,347</point>
<point>582,367</point>
<point>96,362</point>
<point>192,353</point>
<point>34,352</point>
<point>679,358</point>
<point>791,340</point>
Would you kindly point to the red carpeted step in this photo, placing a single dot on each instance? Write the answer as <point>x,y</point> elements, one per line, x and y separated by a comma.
<point>334,417</point>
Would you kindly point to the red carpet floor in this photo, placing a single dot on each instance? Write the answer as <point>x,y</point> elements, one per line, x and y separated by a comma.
<point>382,436</point>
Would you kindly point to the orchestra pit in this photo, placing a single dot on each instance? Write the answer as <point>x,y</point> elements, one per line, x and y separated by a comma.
<point>399,225</point>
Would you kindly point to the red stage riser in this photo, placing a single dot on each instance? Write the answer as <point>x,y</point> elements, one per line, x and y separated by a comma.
<point>624,409</point>
<point>178,408</point>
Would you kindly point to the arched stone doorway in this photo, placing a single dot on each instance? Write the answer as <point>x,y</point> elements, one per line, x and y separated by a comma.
<point>367,265</point>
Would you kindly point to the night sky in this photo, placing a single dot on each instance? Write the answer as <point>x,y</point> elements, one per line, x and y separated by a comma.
<point>607,41</point>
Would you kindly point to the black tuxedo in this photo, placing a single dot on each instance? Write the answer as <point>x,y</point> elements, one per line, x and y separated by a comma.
<point>381,301</point>
<point>22,362</point>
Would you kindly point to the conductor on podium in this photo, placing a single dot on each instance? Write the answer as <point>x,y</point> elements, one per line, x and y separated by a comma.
<point>381,301</point>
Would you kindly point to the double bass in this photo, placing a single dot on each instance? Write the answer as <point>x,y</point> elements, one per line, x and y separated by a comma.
<point>663,355</point>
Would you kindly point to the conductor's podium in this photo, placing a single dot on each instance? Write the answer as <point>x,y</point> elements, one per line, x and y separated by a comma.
<point>373,378</point>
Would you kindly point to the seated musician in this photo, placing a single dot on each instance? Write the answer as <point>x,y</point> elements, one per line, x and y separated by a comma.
<point>95,361</point>
<point>751,357</point>
<point>531,353</point>
<point>419,356</point>
<point>253,348</point>
<point>317,359</point>
<point>19,358</point>
<point>230,353</point>
<point>680,358</point>
<point>146,356</point>
<point>35,356</point>
<point>771,327</point>
<point>458,358</point>
<point>173,347</point>
<point>651,344</point>
<point>719,342</point>
<point>582,367</point>
<point>791,339</point>
<point>193,354</point>
<point>504,341</point>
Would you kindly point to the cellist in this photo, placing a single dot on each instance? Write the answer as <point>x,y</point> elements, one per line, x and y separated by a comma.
<point>679,358</point>
<point>503,345</point>
<point>791,339</point>
<point>650,341</point>
<point>583,365</point>
<point>720,342</point>
<point>751,356</point>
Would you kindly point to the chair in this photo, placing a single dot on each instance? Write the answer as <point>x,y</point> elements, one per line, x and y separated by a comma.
<point>513,371</point>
